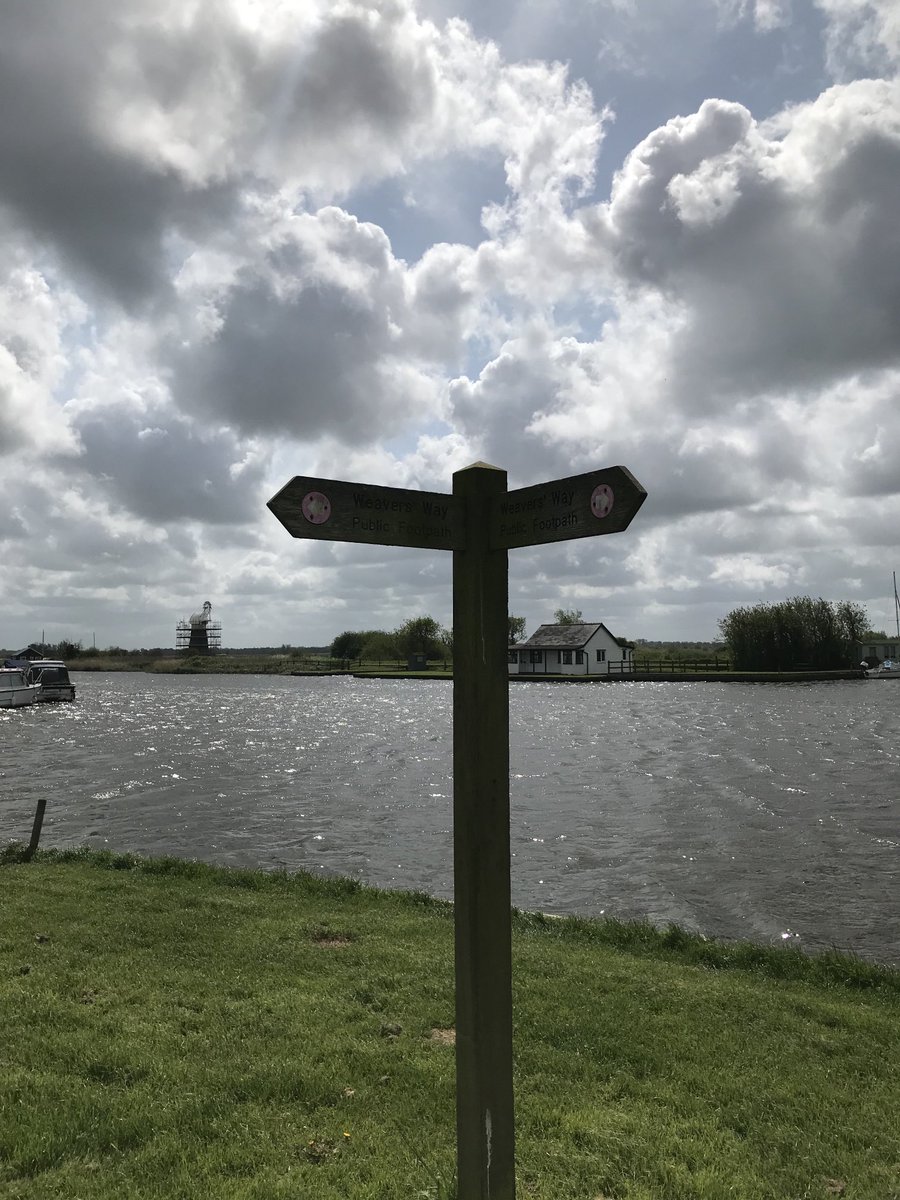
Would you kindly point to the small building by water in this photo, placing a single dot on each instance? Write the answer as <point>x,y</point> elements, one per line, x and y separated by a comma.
<point>582,649</point>
<point>875,648</point>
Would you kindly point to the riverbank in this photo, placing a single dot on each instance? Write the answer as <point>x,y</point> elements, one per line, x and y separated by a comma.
<point>181,1030</point>
<point>642,676</point>
<point>277,666</point>
<point>701,677</point>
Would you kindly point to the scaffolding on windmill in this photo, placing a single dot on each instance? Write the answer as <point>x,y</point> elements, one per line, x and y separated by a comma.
<point>199,634</point>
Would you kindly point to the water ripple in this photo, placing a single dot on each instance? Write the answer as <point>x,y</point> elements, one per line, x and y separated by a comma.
<point>764,811</point>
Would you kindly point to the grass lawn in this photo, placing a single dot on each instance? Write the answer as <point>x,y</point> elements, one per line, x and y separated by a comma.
<point>175,1030</point>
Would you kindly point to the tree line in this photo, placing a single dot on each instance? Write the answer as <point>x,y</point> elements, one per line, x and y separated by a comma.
<point>795,635</point>
<point>418,635</point>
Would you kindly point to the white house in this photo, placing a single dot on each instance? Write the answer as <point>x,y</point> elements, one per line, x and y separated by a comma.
<point>572,650</point>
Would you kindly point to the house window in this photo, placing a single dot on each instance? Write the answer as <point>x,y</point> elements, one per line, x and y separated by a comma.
<point>601,656</point>
<point>890,652</point>
<point>872,652</point>
<point>579,656</point>
<point>565,656</point>
<point>512,656</point>
<point>537,656</point>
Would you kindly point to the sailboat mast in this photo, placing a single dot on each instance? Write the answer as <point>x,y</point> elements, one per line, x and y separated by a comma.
<point>896,606</point>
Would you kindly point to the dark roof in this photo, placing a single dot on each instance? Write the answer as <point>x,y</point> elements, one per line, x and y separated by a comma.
<point>30,652</point>
<point>563,637</point>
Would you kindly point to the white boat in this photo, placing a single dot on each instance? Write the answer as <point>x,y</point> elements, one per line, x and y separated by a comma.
<point>53,678</point>
<point>889,669</point>
<point>15,690</point>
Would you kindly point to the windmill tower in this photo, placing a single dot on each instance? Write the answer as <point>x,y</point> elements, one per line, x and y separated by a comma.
<point>199,634</point>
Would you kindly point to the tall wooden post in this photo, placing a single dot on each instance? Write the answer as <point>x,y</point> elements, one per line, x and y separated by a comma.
<point>480,522</point>
<point>484,1091</point>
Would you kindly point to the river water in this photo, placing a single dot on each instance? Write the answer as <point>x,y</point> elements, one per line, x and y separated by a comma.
<point>762,811</point>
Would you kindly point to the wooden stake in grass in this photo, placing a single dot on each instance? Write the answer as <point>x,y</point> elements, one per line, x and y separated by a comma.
<point>36,830</point>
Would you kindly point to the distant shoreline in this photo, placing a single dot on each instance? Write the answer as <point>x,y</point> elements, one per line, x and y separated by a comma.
<point>257,667</point>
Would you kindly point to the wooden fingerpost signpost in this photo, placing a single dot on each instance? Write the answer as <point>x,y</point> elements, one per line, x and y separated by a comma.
<point>479,523</point>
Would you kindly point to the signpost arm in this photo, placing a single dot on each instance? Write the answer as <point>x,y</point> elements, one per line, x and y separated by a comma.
<point>484,1090</point>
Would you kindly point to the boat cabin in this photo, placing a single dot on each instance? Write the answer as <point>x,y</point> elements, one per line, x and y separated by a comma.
<point>53,676</point>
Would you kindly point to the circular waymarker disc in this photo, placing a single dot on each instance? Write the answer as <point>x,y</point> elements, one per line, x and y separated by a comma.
<point>316,507</point>
<point>602,500</point>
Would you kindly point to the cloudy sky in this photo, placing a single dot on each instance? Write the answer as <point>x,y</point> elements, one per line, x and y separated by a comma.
<point>379,240</point>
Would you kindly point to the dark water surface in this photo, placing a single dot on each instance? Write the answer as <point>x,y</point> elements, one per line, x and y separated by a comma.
<point>767,811</point>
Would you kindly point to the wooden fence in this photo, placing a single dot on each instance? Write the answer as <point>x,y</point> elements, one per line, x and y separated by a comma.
<point>670,666</point>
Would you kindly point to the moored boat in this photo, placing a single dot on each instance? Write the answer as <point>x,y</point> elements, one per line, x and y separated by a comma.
<point>877,644</point>
<point>53,677</point>
<point>15,690</point>
<point>889,669</point>
<point>49,674</point>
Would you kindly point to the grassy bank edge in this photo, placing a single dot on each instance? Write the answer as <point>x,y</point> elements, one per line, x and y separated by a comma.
<point>826,969</point>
